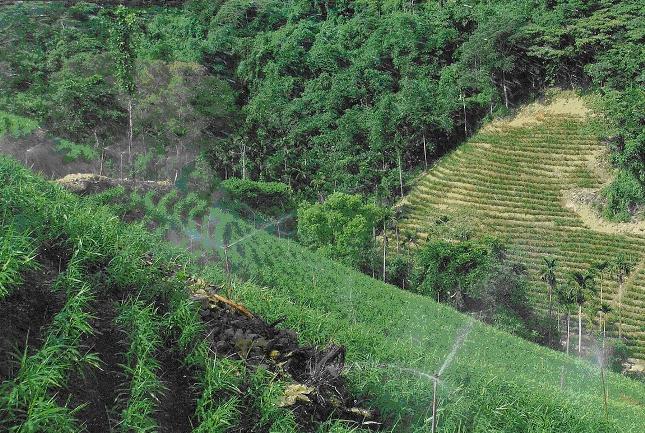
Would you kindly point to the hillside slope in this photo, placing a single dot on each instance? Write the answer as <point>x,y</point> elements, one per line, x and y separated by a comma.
<point>522,180</point>
<point>491,381</point>
<point>395,340</point>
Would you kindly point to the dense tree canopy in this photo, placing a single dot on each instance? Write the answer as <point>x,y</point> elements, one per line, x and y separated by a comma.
<point>349,96</point>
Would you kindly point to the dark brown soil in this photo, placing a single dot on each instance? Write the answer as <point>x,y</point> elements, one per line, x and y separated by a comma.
<point>97,389</point>
<point>27,312</point>
<point>179,400</point>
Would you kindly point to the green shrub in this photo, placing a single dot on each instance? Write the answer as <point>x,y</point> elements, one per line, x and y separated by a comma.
<point>341,227</point>
<point>270,198</point>
<point>74,152</point>
<point>622,195</point>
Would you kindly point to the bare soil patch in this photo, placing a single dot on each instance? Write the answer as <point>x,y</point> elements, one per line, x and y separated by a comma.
<point>28,311</point>
<point>97,389</point>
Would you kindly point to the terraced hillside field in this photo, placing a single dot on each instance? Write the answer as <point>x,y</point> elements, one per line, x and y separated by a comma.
<point>522,180</point>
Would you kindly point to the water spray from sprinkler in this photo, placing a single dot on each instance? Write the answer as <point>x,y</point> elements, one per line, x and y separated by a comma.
<point>463,333</point>
<point>436,377</point>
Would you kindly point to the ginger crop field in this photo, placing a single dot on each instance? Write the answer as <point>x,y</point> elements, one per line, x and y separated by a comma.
<point>522,180</point>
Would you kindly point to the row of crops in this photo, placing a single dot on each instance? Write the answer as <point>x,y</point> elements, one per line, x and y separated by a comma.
<point>124,329</point>
<point>510,181</point>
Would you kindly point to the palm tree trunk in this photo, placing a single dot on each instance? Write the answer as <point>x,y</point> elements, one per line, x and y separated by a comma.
<point>579,328</point>
<point>568,329</point>
<point>384,249</point>
<point>620,311</point>
<point>550,313</point>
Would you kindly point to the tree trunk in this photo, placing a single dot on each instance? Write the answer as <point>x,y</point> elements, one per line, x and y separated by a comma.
<point>425,152</point>
<point>374,246</point>
<point>579,328</point>
<point>505,89</point>
<point>400,173</point>
<point>396,232</point>
<point>130,133</point>
<point>620,311</point>
<point>558,322</point>
<point>550,312</point>
<point>568,330</point>
<point>604,331</point>
<point>384,249</point>
<point>463,100</point>
<point>101,166</point>
<point>243,161</point>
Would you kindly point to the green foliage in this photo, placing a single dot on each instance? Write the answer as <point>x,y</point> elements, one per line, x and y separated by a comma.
<point>341,227</point>
<point>451,270</point>
<point>476,276</point>
<point>123,32</point>
<point>269,198</point>
<point>16,126</point>
<point>17,254</point>
<point>74,152</point>
<point>622,194</point>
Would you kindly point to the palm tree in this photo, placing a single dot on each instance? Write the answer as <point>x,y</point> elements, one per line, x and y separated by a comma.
<point>622,267</point>
<point>566,299</point>
<point>548,276</point>
<point>584,284</point>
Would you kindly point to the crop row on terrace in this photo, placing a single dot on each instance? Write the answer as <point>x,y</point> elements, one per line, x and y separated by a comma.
<point>510,181</point>
<point>125,349</point>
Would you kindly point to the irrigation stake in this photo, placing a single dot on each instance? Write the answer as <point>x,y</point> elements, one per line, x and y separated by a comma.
<point>604,390</point>
<point>435,379</point>
<point>228,271</point>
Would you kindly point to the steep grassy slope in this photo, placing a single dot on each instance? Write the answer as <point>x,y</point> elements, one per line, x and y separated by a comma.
<point>520,180</point>
<point>395,340</point>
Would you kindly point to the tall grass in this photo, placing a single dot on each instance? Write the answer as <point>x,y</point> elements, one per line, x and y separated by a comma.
<point>17,255</point>
<point>16,126</point>
<point>141,325</point>
<point>25,403</point>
